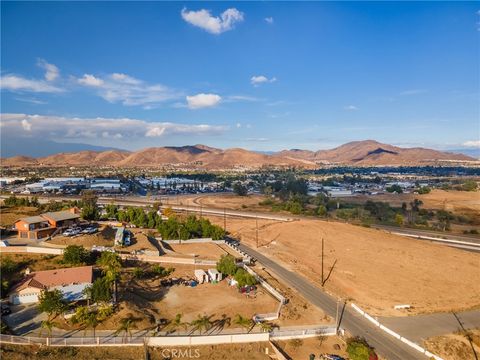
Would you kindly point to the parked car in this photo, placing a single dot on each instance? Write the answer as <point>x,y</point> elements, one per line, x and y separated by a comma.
<point>6,309</point>
<point>89,230</point>
<point>68,232</point>
<point>331,357</point>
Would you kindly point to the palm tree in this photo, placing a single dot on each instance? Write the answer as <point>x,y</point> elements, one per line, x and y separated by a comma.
<point>47,325</point>
<point>177,323</point>
<point>202,323</point>
<point>266,327</point>
<point>111,266</point>
<point>126,325</point>
<point>244,322</point>
<point>92,321</point>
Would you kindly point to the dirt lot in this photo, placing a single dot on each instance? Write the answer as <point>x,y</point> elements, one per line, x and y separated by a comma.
<point>208,251</point>
<point>302,348</point>
<point>375,269</point>
<point>455,346</point>
<point>8,216</point>
<point>451,200</point>
<point>254,351</point>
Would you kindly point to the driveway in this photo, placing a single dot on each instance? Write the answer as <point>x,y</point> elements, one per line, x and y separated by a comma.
<point>24,319</point>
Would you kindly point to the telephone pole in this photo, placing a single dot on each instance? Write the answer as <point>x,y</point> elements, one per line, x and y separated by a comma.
<point>322,263</point>
<point>224,219</point>
<point>256,229</point>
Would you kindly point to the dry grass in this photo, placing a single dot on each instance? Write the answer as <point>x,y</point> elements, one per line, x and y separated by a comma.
<point>455,346</point>
<point>319,345</point>
<point>8,215</point>
<point>376,269</point>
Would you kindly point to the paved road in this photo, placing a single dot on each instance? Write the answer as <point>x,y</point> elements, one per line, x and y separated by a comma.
<point>386,345</point>
<point>420,327</point>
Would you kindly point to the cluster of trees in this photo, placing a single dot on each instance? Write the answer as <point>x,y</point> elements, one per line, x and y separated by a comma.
<point>13,200</point>
<point>135,215</point>
<point>227,266</point>
<point>394,189</point>
<point>240,189</point>
<point>189,228</point>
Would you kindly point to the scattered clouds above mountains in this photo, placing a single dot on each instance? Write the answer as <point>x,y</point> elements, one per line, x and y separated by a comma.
<point>257,80</point>
<point>213,24</point>
<point>58,127</point>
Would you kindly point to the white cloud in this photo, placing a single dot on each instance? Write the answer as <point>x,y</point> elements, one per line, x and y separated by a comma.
<point>58,127</point>
<point>18,83</point>
<point>213,24</point>
<point>261,139</point>
<point>351,108</point>
<point>472,143</point>
<point>51,71</point>
<point>203,100</point>
<point>26,125</point>
<point>256,80</point>
<point>238,125</point>
<point>90,80</point>
<point>414,92</point>
<point>128,90</point>
<point>269,20</point>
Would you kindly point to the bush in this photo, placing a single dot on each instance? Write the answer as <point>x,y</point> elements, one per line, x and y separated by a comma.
<point>75,255</point>
<point>358,349</point>
<point>226,265</point>
<point>244,278</point>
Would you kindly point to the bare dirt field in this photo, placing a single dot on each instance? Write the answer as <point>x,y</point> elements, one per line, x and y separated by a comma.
<point>207,251</point>
<point>375,269</point>
<point>455,346</point>
<point>8,216</point>
<point>255,351</point>
<point>302,348</point>
<point>450,200</point>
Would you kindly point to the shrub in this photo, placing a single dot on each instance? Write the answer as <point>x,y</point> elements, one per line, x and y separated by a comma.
<point>358,349</point>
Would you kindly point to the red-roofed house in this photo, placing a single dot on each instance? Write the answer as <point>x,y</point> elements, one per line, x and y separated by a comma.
<point>70,281</point>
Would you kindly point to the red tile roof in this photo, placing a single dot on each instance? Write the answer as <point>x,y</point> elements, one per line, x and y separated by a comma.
<point>58,277</point>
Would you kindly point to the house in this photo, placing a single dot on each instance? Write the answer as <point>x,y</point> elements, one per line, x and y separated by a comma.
<point>70,281</point>
<point>214,275</point>
<point>43,225</point>
<point>201,276</point>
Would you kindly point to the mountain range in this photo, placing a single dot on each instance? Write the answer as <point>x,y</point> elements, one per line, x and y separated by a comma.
<point>358,153</point>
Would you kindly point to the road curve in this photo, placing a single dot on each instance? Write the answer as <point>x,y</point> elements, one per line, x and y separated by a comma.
<point>385,345</point>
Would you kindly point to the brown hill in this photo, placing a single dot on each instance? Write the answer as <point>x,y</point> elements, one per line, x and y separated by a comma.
<point>361,153</point>
<point>370,152</point>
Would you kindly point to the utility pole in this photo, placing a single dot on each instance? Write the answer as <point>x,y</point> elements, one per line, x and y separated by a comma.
<point>336,319</point>
<point>224,219</point>
<point>322,263</point>
<point>201,211</point>
<point>256,229</point>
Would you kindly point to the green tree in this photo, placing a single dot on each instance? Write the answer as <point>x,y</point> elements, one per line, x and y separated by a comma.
<point>202,323</point>
<point>46,325</point>
<point>322,211</point>
<point>226,265</point>
<point>75,255</point>
<point>240,189</point>
<point>100,290</point>
<point>52,302</point>
<point>399,219</point>
<point>243,322</point>
<point>469,185</point>
<point>89,205</point>
<point>177,323</point>
<point>358,349</point>
<point>111,265</point>
<point>126,326</point>
<point>244,278</point>
<point>394,188</point>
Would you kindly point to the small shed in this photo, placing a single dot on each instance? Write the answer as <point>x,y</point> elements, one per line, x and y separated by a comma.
<point>201,276</point>
<point>214,275</point>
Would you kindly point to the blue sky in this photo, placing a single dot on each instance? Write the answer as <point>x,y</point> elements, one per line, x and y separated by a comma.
<point>262,76</point>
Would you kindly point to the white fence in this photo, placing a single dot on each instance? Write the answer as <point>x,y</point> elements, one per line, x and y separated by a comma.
<point>175,340</point>
<point>394,334</point>
<point>31,249</point>
<point>192,241</point>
